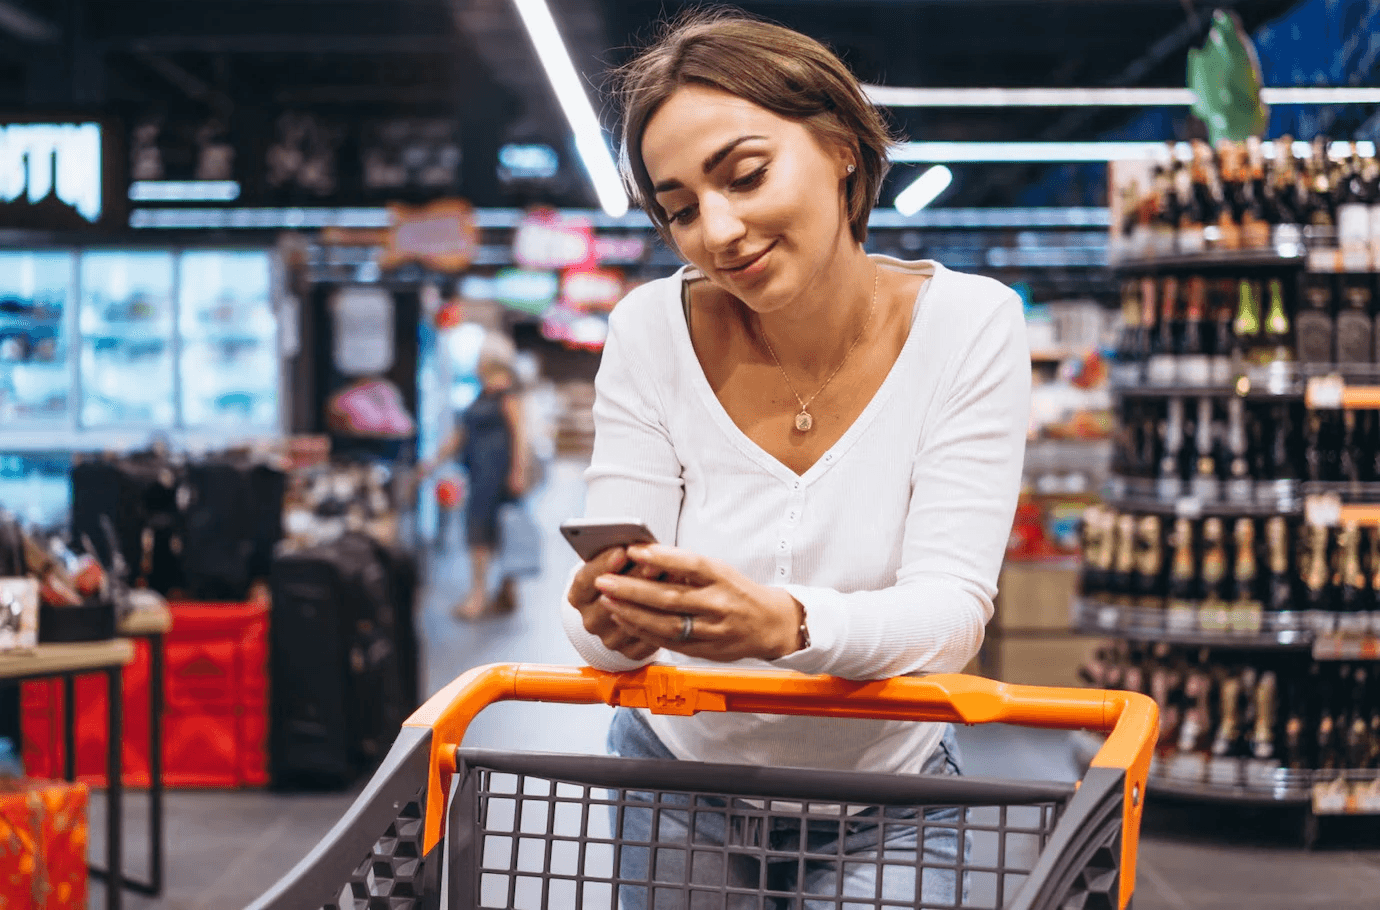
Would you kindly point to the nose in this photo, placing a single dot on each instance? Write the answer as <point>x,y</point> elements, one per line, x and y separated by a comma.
<point>721,226</point>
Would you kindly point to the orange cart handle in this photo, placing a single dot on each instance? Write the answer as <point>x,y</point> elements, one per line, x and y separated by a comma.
<point>1131,719</point>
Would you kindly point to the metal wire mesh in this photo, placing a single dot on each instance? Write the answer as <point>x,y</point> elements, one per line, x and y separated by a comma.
<point>543,842</point>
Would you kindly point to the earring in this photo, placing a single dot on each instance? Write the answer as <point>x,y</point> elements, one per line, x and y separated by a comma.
<point>852,168</point>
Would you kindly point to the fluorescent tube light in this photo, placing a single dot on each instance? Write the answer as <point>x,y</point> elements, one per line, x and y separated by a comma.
<point>589,135</point>
<point>900,96</point>
<point>184,191</point>
<point>924,190</point>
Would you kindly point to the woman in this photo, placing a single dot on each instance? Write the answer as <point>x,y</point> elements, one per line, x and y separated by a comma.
<point>827,444</point>
<point>491,441</point>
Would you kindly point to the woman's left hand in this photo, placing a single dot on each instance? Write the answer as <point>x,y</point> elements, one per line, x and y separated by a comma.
<point>733,616</point>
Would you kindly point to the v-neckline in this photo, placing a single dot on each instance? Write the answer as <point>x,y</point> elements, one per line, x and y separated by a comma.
<point>831,455</point>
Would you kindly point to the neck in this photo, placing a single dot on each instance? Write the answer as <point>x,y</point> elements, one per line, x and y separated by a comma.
<point>812,335</point>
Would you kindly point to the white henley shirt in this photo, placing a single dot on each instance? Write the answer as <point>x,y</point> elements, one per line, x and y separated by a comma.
<point>892,540</point>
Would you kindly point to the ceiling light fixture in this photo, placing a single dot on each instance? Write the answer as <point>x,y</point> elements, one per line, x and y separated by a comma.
<point>920,152</point>
<point>589,135</point>
<point>924,190</point>
<point>900,96</point>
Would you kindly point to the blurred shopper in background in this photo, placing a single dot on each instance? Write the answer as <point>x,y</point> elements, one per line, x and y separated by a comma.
<point>490,440</point>
<point>827,444</point>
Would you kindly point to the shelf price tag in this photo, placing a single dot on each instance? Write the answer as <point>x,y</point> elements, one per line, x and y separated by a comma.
<point>1188,507</point>
<point>1325,391</point>
<point>1323,510</point>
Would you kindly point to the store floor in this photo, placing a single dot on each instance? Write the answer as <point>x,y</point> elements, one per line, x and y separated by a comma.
<point>226,847</point>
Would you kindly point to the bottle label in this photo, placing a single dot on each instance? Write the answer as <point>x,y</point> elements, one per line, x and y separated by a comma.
<point>1193,370</point>
<point>1314,337</point>
<point>1255,234</point>
<point>1354,341</point>
<point>1288,239</point>
<point>1212,616</point>
<point>1191,239</point>
<point>1246,617</point>
<point>1353,224</point>
<point>1181,616</point>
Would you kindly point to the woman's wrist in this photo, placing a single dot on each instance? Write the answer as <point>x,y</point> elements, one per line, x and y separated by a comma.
<point>792,633</point>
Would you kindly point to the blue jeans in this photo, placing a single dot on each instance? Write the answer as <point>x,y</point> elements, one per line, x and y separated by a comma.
<point>858,840</point>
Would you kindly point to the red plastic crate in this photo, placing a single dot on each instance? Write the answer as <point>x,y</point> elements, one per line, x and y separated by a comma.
<point>215,726</point>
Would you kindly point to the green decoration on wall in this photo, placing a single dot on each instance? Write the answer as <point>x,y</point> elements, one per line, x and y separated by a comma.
<point>1224,76</point>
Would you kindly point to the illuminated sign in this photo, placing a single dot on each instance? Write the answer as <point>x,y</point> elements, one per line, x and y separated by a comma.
<point>546,239</point>
<point>58,161</point>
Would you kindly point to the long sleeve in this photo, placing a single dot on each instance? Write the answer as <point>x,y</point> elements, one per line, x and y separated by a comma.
<point>634,471</point>
<point>965,483</point>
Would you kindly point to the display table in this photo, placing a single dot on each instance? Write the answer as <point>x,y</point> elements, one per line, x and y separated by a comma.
<point>150,619</point>
<point>69,661</point>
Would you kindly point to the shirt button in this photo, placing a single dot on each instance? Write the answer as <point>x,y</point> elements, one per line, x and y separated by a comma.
<point>796,485</point>
<point>781,571</point>
<point>793,516</point>
<point>783,545</point>
<point>829,457</point>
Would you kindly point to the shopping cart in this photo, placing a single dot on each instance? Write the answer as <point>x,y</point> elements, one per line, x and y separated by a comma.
<point>439,825</point>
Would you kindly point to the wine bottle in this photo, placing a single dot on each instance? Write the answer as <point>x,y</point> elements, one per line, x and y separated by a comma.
<point>1374,567</point>
<point>1240,484</point>
<point>1213,605</point>
<point>1206,449</point>
<point>1126,367</point>
<point>1328,748</point>
<point>1355,330</point>
<point>1163,367</point>
<point>1281,577</point>
<point>1164,227</point>
<point>1189,235</point>
<point>1321,228</point>
<point>1167,482</point>
<point>1255,216</point>
<point>1123,561</point>
<point>1371,177</point>
<point>1277,344</point>
<point>1224,186</point>
<point>1353,591</point>
<point>1318,591</point>
<point>1093,579</point>
<point>1353,216</point>
<point>1288,206</point>
<point>1222,302</point>
<point>1313,325</point>
<point>1150,562</point>
<point>1315,470</point>
<point>1194,368</point>
<point>1225,740</point>
<point>1262,744</point>
<point>1182,612</point>
<point>1246,328</point>
<point>1357,734</point>
<point>1297,745</point>
<point>1349,452</point>
<point>1247,611</point>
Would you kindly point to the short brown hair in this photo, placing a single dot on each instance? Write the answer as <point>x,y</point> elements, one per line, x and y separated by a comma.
<point>789,74</point>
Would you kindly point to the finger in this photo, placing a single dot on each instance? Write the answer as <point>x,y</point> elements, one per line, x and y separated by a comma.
<point>695,569</point>
<point>658,595</point>
<point>582,589</point>
<point>652,625</point>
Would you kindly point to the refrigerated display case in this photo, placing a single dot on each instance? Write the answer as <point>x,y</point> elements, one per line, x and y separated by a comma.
<point>228,362</point>
<point>127,339</point>
<point>35,308</point>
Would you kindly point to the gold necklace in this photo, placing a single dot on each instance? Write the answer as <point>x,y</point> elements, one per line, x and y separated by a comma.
<point>803,421</point>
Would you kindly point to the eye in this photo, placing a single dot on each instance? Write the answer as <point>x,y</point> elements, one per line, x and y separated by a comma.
<point>682,216</point>
<point>751,180</point>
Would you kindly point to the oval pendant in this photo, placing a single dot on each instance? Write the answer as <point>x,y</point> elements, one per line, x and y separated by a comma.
<point>803,421</point>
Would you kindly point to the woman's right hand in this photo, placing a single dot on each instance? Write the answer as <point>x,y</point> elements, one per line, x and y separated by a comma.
<point>594,607</point>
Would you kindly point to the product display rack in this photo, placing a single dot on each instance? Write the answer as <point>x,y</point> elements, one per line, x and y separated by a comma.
<point>1301,501</point>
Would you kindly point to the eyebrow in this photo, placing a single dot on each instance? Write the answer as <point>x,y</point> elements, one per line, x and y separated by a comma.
<point>708,165</point>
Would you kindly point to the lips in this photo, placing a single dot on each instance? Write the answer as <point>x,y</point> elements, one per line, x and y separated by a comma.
<point>745,263</point>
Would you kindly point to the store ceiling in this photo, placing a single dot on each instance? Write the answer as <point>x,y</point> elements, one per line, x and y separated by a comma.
<point>247,61</point>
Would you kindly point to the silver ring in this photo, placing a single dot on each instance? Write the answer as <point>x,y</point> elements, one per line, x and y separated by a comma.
<point>687,627</point>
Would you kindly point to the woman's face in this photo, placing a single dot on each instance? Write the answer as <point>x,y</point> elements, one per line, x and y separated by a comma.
<point>754,200</point>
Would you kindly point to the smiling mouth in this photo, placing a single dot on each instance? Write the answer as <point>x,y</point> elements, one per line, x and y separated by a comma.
<point>741,266</point>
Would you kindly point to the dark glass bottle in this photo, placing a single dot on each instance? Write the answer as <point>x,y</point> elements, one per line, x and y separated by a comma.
<point>1123,561</point>
<point>1194,367</point>
<point>1319,595</point>
<point>1150,563</point>
<point>1214,578</point>
<point>1255,207</point>
<point>1353,589</point>
<point>1357,734</point>
<point>1281,576</point>
<point>1277,343</point>
<point>1349,452</point>
<point>1327,752</point>
<point>1163,368</point>
<point>1314,328</point>
<point>1224,186</point>
<point>1164,225</point>
<point>1167,480</point>
<point>1281,465</point>
<point>1355,329</point>
<point>1246,327</point>
<point>1207,449</point>
<point>1093,581</point>
<point>1246,604</point>
<point>1222,304</point>
<point>1262,741</point>
<point>1182,614</point>
<point>1298,745</point>
<point>1240,482</point>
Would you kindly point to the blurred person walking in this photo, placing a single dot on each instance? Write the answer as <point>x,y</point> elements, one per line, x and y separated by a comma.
<point>490,442</point>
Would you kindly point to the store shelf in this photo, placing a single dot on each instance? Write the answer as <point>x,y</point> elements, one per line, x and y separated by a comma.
<point>1245,781</point>
<point>1198,507</point>
<point>1253,392</point>
<point>1213,260</point>
<point>1333,392</point>
<point>1091,616</point>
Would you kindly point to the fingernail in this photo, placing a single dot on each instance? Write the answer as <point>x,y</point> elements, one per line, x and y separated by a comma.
<point>603,583</point>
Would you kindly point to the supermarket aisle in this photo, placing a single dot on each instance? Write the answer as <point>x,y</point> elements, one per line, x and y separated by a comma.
<point>223,848</point>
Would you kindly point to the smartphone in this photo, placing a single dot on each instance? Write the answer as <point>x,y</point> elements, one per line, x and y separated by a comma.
<point>591,536</point>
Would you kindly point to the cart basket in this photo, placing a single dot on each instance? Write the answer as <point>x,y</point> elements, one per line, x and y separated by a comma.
<point>441,826</point>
